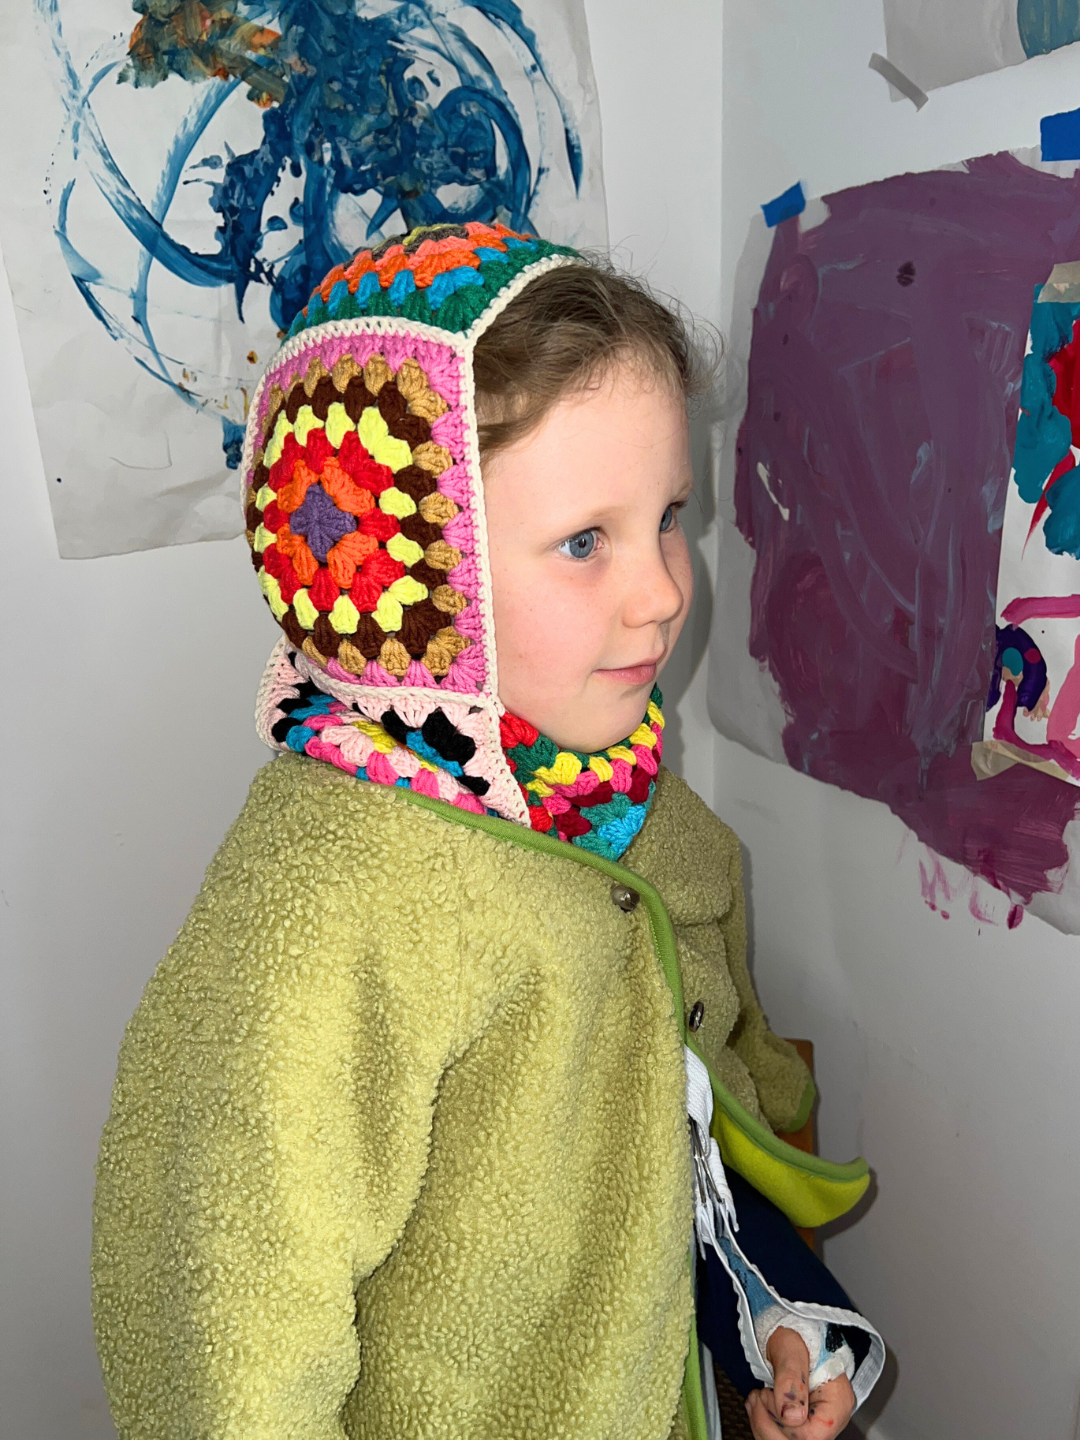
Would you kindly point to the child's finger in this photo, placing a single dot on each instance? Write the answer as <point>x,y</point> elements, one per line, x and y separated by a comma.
<point>791,1365</point>
<point>763,1425</point>
<point>792,1399</point>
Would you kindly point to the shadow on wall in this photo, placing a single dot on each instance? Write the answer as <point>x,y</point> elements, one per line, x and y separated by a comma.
<point>882,1393</point>
<point>696,520</point>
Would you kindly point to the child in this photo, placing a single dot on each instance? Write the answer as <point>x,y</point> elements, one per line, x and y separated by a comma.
<point>398,1144</point>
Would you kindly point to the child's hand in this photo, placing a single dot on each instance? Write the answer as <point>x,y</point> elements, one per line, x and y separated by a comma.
<point>830,1408</point>
<point>788,1411</point>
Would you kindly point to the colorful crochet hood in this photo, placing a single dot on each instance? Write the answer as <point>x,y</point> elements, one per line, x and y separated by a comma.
<point>365,517</point>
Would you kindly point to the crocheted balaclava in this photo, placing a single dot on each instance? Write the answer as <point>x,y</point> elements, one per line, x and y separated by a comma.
<point>365,516</point>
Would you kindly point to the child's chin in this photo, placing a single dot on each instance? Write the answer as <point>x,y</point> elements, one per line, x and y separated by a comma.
<point>612,727</point>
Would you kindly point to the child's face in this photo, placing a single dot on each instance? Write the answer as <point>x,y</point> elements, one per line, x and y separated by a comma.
<point>590,567</point>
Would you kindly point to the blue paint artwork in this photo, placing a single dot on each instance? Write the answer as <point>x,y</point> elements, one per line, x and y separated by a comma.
<point>347,122</point>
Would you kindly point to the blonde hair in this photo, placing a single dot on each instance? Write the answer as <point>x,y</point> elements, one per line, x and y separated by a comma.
<point>564,333</point>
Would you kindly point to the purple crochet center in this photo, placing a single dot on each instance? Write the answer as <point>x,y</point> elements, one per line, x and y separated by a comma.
<point>321,522</point>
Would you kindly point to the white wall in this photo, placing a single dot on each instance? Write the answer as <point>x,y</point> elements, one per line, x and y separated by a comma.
<point>127,749</point>
<point>658,72</point>
<point>943,1047</point>
<point>947,1049</point>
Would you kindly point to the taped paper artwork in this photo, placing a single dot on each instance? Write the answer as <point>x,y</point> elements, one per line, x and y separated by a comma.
<point>1033,703</point>
<point>937,42</point>
<point>871,475</point>
<point>178,176</point>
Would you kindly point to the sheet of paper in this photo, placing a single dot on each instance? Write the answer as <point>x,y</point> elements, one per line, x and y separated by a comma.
<point>937,42</point>
<point>171,199</point>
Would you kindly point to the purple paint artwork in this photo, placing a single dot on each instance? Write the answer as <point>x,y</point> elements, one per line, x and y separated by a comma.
<point>872,467</point>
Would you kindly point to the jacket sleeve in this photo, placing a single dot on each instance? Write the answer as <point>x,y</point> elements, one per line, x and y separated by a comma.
<point>783,1082</point>
<point>267,1140</point>
<point>786,1263</point>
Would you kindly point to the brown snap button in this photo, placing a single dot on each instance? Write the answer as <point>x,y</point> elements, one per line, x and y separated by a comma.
<point>625,898</point>
<point>697,1014</point>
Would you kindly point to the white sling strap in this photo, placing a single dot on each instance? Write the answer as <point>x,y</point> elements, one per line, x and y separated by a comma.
<point>715,1226</point>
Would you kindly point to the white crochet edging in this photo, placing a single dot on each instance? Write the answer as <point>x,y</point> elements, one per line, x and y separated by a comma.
<point>288,667</point>
<point>271,677</point>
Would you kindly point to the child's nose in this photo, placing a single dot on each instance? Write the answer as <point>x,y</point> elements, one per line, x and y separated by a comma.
<point>654,595</point>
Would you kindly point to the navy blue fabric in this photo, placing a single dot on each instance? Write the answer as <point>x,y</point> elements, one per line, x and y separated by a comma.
<point>767,1237</point>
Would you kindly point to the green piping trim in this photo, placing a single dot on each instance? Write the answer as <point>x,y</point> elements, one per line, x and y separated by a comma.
<point>693,1397</point>
<point>806,1104</point>
<point>663,937</point>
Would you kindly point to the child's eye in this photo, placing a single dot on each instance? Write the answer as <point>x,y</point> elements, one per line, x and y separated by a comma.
<point>579,546</point>
<point>667,520</point>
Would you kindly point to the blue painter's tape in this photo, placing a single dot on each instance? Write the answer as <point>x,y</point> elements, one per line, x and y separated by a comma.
<point>1060,135</point>
<point>791,202</point>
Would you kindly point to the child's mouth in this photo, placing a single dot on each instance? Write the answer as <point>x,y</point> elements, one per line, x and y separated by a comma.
<point>642,674</point>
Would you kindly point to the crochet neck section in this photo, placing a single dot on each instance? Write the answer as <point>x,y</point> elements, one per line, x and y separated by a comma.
<point>598,802</point>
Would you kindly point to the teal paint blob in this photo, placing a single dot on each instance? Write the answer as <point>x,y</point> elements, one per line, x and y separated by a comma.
<point>1061,528</point>
<point>1043,434</point>
<point>1046,25</point>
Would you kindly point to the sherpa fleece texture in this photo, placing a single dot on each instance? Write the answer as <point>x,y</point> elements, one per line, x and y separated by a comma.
<point>398,1139</point>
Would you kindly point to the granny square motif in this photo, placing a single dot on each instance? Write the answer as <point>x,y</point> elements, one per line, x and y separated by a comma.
<point>364,510</point>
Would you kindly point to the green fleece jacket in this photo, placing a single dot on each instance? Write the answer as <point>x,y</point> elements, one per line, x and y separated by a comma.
<point>398,1139</point>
